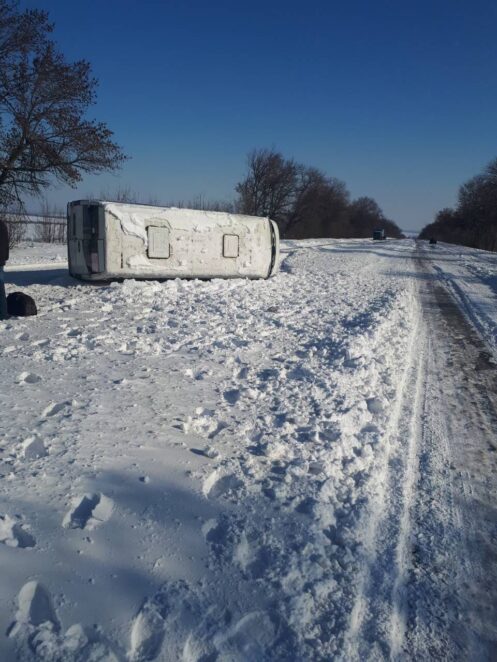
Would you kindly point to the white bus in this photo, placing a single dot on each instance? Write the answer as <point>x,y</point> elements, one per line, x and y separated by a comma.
<point>108,240</point>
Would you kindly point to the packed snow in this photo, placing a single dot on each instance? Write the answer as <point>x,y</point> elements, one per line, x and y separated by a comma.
<point>471,276</point>
<point>192,470</point>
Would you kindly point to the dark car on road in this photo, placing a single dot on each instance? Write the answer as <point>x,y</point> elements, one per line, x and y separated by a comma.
<point>379,234</point>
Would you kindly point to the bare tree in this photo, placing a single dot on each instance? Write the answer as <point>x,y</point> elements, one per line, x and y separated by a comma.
<point>15,219</point>
<point>44,133</point>
<point>320,207</point>
<point>52,228</point>
<point>269,186</point>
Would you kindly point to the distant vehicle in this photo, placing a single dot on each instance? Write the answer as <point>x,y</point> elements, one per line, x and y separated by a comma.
<point>379,234</point>
<point>433,241</point>
<point>109,240</point>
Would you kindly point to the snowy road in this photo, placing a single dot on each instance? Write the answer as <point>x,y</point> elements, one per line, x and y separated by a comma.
<point>455,531</point>
<point>430,585</point>
<point>294,469</point>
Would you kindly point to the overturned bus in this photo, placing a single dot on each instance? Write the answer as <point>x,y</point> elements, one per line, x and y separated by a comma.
<point>109,240</point>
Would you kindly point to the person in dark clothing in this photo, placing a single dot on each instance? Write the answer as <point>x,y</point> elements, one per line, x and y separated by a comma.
<point>4,256</point>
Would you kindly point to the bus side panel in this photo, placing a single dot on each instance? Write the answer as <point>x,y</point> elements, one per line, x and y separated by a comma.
<point>198,252</point>
<point>113,241</point>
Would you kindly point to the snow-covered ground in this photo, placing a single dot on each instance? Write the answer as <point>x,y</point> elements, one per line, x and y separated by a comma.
<point>197,470</point>
<point>37,253</point>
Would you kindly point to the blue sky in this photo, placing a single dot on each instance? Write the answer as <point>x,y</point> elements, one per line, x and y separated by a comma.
<point>397,98</point>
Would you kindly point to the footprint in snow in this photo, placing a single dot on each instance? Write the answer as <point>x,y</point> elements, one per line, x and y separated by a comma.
<point>28,378</point>
<point>232,396</point>
<point>56,407</point>
<point>197,375</point>
<point>13,533</point>
<point>218,485</point>
<point>204,424</point>
<point>147,632</point>
<point>254,559</point>
<point>38,628</point>
<point>149,625</point>
<point>74,333</point>
<point>210,451</point>
<point>370,431</point>
<point>35,608</point>
<point>250,638</point>
<point>316,467</point>
<point>375,405</point>
<point>88,512</point>
<point>242,373</point>
<point>33,448</point>
<point>219,534</point>
<point>41,343</point>
<point>268,374</point>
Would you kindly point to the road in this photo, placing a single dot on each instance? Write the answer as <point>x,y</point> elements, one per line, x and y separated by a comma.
<point>429,589</point>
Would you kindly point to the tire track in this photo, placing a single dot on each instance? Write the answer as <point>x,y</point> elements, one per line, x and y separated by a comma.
<point>378,617</point>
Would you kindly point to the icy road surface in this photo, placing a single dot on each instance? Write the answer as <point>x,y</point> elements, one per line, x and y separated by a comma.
<point>295,469</point>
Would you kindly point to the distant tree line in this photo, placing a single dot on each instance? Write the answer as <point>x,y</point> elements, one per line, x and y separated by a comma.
<point>304,201</point>
<point>473,222</point>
